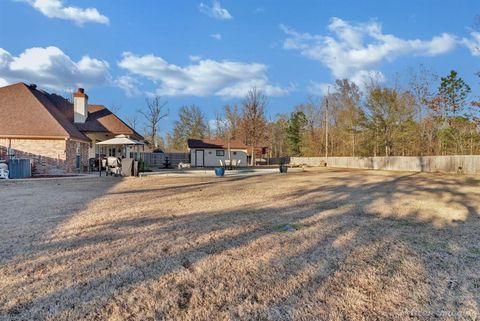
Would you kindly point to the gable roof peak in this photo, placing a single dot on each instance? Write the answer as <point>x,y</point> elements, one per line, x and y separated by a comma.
<point>27,112</point>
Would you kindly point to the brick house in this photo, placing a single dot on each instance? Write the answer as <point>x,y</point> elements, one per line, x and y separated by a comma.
<point>58,136</point>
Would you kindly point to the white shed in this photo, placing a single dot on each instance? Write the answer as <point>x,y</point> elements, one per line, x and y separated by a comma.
<point>211,153</point>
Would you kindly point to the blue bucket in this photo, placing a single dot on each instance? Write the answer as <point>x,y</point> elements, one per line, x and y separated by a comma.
<point>219,171</point>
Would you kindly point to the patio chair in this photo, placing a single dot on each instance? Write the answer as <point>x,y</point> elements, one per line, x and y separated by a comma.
<point>113,166</point>
<point>221,163</point>
<point>183,165</point>
<point>3,173</point>
<point>234,164</point>
<point>238,163</point>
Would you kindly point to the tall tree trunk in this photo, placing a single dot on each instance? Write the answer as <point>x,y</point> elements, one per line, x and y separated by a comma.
<point>353,144</point>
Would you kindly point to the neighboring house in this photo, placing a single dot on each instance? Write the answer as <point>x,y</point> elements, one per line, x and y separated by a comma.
<point>57,135</point>
<point>209,153</point>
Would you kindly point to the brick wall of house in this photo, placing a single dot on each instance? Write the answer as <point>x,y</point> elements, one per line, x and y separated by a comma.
<point>49,156</point>
<point>74,148</point>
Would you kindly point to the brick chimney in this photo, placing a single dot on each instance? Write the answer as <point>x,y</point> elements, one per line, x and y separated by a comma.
<point>80,106</point>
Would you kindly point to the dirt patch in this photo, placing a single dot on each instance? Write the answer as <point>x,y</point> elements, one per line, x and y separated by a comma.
<point>319,245</point>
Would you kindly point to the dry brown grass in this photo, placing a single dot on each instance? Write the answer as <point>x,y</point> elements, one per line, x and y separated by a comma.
<point>364,246</point>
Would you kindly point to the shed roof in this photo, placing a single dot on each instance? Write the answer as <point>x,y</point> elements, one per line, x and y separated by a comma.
<point>215,144</point>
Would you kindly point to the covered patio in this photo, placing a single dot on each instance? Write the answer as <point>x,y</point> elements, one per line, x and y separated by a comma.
<point>113,154</point>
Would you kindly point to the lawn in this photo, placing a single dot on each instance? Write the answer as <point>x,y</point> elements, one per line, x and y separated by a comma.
<point>318,245</point>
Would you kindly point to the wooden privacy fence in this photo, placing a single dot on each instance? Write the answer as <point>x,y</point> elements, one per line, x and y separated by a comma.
<point>278,160</point>
<point>158,159</point>
<point>467,164</point>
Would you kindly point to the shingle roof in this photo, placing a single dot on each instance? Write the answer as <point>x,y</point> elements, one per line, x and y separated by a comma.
<point>215,143</point>
<point>27,112</point>
<point>100,119</point>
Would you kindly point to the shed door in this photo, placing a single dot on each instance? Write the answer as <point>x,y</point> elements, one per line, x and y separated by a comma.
<point>199,158</point>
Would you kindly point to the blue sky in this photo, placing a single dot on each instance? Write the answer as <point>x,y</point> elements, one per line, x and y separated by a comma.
<point>209,53</point>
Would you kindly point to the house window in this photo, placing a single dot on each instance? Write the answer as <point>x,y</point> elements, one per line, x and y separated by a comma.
<point>220,153</point>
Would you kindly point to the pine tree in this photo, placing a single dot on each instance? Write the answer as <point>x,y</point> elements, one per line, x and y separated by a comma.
<point>296,125</point>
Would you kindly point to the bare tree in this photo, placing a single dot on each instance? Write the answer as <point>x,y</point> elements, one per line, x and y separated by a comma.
<point>346,115</point>
<point>155,111</point>
<point>191,124</point>
<point>313,129</point>
<point>232,118</point>
<point>420,86</point>
<point>227,123</point>
<point>221,128</point>
<point>115,109</point>
<point>387,114</point>
<point>132,121</point>
<point>253,119</point>
<point>278,135</point>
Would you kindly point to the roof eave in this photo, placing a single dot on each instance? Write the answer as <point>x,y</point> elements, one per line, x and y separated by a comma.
<point>44,137</point>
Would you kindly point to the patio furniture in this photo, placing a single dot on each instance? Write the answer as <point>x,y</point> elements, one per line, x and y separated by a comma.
<point>114,166</point>
<point>118,141</point>
<point>3,171</point>
<point>221,163</point>
<point>183,165</point>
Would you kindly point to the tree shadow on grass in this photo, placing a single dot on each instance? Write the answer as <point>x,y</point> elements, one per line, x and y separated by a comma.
<point>188,186</point>
<point>345,259</point>
<point>33,208</point>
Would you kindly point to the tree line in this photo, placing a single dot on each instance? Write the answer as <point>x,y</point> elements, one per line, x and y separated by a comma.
<point>430,116</point>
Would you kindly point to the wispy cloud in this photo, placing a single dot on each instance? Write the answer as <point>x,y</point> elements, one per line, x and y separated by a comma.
<point>354,50</point>
<point>215,11</point>
<point>473,43</point>
<point>216,36</point>
<point>365,78</point>
<point>319,89</point>
<point>129,85</point>
<point>57,9</point>
<point>194,58</point>
<point>52,68</point>
<point>203,78</point>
